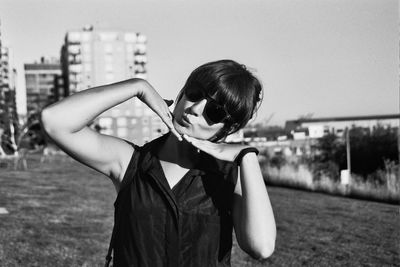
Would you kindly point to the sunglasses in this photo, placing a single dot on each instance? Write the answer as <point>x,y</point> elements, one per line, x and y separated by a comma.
<point>214,112</point>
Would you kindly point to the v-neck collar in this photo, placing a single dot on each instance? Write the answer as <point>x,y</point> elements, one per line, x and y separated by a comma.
<point>152,164</point>
<point>159,166</point>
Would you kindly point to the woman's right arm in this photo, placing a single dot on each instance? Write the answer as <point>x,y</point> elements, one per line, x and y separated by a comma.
<point>66,123</point>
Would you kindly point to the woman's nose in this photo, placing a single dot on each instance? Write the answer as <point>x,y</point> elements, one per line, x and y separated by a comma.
<point>197,108</point>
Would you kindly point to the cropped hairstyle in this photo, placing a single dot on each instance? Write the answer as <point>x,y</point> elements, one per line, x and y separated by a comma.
<point>233,86</point>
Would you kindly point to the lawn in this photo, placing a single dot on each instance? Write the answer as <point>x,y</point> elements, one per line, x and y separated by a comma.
<point>61,214</point>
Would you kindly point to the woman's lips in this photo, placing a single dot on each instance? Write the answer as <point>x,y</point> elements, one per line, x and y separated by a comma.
<point>185,120</point>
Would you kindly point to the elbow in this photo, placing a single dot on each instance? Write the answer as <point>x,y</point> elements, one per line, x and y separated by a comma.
<point>266,251</point>
<point>260,248</point>
<point>44,119</point>
<point>263,252</point>
<point>47,122</point>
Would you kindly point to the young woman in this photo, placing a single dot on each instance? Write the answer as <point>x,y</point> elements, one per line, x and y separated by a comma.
<point>181,195</point>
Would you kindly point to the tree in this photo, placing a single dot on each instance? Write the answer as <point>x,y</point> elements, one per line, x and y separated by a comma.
<point>368,149</point>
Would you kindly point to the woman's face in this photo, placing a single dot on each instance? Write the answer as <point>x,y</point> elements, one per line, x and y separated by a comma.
<point>189,119</point>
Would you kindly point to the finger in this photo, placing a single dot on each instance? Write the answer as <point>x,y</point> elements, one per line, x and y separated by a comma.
<point>189,139</point>
<point>170,125</point>
<point>167,117</point>
<point>174,132</point>
<point>200,144</point>
<point>172,128</point>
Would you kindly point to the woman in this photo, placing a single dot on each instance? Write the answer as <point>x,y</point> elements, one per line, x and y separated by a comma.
<point>178,198</point>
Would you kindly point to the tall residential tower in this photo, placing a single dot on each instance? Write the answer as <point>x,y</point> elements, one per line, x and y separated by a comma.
<point>92,58</point>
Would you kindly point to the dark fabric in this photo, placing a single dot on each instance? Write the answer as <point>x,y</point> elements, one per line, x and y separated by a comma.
<point>190,225</point>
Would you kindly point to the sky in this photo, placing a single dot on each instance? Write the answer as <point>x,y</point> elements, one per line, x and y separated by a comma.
<point>318,58</point>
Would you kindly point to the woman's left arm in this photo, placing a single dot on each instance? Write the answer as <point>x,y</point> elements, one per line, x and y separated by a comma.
<point>253,218</point>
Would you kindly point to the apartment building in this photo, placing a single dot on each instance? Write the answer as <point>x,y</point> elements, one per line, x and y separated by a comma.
<point>91,58</point>
<point>42,80</point>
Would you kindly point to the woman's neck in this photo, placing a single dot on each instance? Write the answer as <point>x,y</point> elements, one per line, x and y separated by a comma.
<point>178,152</point>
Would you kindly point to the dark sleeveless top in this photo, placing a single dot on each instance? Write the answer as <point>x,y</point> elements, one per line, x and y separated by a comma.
<point>190,225</point>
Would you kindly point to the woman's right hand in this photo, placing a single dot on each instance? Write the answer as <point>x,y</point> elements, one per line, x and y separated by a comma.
<point>153,100</point>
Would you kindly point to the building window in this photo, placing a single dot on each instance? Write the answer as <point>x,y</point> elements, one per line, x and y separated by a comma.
<point>30,79</point>
<point>145,121</point>
<point>109,67</point>
<point>130,37</point>
<point>108,36</point>
<point>133,121</point>
<point>74,49</point>
<point>145,130</point>
<point>108,58</point>
<point>108,48</point>
<point>86,48</point>
<point>105,122</point>
<point>121,122</point>
<point>130,48</point>
<point>122,132</point>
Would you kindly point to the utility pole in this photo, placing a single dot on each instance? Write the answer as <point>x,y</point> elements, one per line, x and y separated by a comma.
<point>345,175</point>
<point>348,150</point>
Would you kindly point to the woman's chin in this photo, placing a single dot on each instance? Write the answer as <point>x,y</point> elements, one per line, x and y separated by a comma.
<point>190,131</point>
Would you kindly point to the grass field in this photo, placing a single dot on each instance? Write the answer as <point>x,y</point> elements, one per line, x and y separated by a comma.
<point>61,214</point>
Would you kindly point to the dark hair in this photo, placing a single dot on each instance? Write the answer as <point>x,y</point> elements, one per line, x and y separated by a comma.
<point>232,85</point>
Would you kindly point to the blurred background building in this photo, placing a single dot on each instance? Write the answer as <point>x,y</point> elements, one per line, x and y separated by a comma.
<point>298,137</point>
<point>8,109</point>
<point>92,58</point>
<point>42,84</point>
<point>318,127</point>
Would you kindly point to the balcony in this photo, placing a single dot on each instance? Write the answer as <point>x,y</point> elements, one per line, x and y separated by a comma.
<point>140,69</point>
<point>141,38</point>
<point>75,68</point>
<point>140,49</point>
<point>140,59</point>
<point>74,49</point>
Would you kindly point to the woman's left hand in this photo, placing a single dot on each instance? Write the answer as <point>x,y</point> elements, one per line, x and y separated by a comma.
<point>222,151</point>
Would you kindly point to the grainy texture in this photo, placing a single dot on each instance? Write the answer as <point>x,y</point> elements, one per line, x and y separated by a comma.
<point>61,214</point>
